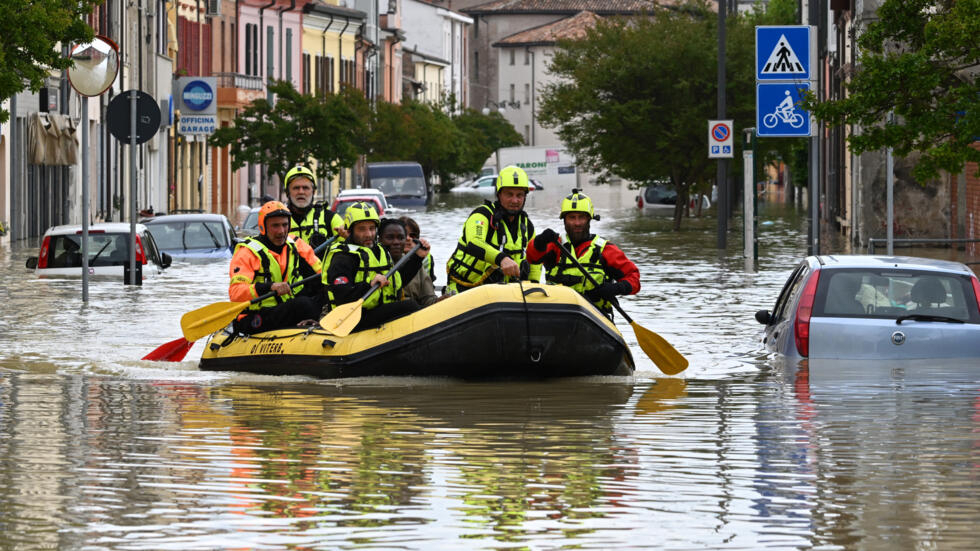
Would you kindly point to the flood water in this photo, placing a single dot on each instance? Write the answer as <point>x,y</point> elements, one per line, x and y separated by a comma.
<point>100,450</point>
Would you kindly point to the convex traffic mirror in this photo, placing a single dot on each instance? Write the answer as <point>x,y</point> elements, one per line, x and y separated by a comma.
<point>96,64</point>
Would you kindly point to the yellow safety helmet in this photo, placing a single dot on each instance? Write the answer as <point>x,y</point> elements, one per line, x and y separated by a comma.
<point>359,212</point>
<point>512,176</point>
<point>273,209</point>
<point>577,202</point>
<point>296,172</point>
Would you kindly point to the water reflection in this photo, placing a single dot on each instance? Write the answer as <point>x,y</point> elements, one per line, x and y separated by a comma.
<point>102,450</point>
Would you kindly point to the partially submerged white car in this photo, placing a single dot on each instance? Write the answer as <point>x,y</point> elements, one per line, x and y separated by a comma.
<point>108,252</point>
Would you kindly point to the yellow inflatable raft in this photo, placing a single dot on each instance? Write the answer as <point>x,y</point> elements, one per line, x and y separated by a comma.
<point>492,331</point>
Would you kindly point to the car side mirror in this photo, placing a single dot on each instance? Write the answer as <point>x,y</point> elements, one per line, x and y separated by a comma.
<point>32,263</point>
<point>166,260</point>
<point>763,317</point>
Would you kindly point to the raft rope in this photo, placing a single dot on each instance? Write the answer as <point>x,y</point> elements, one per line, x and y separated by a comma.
<point>534,355</point>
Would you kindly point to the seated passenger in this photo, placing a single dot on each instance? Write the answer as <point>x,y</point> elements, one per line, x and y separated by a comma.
<point>272,262</point>
<point>413,232</point>
<point>420,288</point>
<point>360,262</point>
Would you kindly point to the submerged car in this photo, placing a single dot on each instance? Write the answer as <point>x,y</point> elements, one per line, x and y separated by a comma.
<point>193,237</point>
<point>487,185</point>
<point>349,196</point>
<point>108,252</point>
<point>875,307</point>
<point>250,227</point>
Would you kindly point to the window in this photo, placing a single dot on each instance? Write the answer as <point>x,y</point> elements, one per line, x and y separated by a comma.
<point>527,94</point>
<point>527,57</point>
<point>527,133</point>
<point>513,54</point>
<point>306,74</point>
<point>289,55</point>
<point>513,92</point>
<point>476,63</point>
<point>270,39</point>
<point>249,46</point>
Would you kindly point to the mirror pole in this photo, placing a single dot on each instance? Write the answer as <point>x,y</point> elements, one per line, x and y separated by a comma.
<point>84,130</point>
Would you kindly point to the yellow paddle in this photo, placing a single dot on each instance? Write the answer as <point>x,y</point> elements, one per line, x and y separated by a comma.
<point>667,358</point>
<point>342,319</point>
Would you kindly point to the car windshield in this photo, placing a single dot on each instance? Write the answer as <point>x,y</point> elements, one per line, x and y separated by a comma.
<point>188,235</point>
<point>252,221</point>
<point>346,202</point>
<point>877,293</point>
<point>660,195</point>
<point>411,186</point>
<point>104,249</point>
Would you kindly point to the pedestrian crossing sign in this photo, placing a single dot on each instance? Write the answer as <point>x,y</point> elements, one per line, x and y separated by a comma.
<point>784,53</point>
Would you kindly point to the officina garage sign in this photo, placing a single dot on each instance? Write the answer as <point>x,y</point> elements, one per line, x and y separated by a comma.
<point>197,105</point>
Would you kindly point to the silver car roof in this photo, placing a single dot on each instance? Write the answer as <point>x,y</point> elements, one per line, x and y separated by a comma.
<point>896,262</point>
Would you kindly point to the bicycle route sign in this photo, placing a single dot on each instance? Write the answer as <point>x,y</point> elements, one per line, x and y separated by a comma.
<point>784,73</point>
<point>720,139</point>
<point>778,114</point>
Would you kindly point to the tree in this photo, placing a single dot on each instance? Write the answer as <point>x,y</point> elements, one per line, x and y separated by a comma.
<point>31,32</point>
<point>298,128</point>
<point>634,97</point>
<point>920,61</point>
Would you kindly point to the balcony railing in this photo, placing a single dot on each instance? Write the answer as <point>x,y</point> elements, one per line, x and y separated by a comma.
<point>240,81</point>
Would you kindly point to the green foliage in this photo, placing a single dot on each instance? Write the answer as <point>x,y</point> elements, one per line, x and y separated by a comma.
<point>635,95</point>
<point>919,60</point>
<point>31,33</point>
<point>299,128</point>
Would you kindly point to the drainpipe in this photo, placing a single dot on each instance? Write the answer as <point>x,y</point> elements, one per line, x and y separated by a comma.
<point>323,39</point>
<point>262,35</point>
<point>292,6</point>
<point>340,48</point>
<point>264,177</point>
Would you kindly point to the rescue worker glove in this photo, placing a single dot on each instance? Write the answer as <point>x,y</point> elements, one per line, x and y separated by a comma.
<point>608,291</point>
<point>547,236</point>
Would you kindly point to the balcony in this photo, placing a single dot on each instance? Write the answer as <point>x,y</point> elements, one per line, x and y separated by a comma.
<point>238,90</point>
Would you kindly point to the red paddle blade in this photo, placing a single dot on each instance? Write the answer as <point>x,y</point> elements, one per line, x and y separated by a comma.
<point>173,351</point>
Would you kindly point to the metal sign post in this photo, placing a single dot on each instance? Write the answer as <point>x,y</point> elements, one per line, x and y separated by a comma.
<point>785,69</point>
<point>750,220</point>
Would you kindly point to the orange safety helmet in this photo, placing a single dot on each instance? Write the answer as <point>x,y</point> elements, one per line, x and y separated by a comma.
<point>273,209</point>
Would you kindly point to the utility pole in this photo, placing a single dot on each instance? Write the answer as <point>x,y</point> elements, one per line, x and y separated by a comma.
<point>722,169</point>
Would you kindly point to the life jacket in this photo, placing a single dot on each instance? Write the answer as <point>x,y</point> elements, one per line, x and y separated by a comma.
<point>269,272</point>
<point>566,273</point>
<point>315,227</point>
<point>372,261</point>
<point>467,267</point>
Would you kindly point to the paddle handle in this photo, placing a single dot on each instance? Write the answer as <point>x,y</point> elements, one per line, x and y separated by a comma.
<point>595,283</point>
<point>401,262</point>
<point>316,251</point>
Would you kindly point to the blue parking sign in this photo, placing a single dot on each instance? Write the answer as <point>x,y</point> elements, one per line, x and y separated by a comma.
<point>777,110</point>
<point>784,52</point>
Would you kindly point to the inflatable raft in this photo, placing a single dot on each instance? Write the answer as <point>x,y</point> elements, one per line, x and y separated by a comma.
<point>492,331</point>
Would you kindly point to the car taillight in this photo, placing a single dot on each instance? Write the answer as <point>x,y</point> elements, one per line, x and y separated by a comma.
<point>976,290</point>
<point>802,324</point>
<point>639,201</point>
<point>42,258</point>
<point>140,255</point>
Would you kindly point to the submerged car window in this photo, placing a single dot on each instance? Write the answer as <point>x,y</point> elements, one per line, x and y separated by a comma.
<point>411,186</point>
<point>889,294</point>
<point>204,235</point>
<point>168,235</point>
<point>790,290</point>
<point>252,222</point>
<point>660,195</point>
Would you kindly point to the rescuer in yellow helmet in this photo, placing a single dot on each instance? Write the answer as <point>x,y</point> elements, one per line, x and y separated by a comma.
<point>312,222</point>
<point>614,273</point>
<point>495,236</point>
